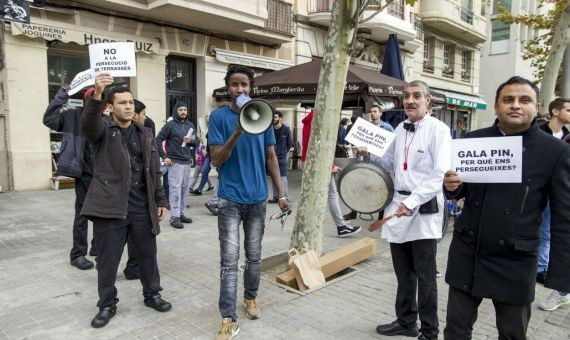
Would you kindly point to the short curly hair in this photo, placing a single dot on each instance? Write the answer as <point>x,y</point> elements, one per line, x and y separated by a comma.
<point>232,69</point>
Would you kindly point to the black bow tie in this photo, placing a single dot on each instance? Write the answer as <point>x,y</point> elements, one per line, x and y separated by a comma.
<point>410,127</point>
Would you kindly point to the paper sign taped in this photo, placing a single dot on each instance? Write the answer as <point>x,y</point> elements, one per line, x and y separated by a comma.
<point>488,160</point>
<point>117,58</point>
<point>374,138</point>
<point>81,80</point>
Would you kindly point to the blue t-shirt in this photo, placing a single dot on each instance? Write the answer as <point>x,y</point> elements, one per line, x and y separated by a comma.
<point>242,176</point>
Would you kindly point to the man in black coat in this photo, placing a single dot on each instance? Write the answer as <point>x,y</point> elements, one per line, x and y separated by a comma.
<point>494,251</point>
<point>75,160</point>
<point>125,196</point>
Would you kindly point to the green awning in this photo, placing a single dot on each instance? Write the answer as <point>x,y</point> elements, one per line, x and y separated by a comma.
<point>464,100</point>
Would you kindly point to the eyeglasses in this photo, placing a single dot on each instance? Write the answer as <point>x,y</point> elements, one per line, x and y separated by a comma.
<point>282,216</point>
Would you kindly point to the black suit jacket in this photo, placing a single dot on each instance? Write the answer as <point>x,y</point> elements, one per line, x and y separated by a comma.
<point>494,250</point>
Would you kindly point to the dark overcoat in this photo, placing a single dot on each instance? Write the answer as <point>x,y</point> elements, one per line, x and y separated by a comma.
<point>494,251</point>
<point>108,195</point>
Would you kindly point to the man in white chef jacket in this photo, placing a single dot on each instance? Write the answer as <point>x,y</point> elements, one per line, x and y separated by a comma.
<point>418,157</point>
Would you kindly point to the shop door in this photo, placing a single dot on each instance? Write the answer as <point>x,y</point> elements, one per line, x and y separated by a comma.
<point>181,85</point>
<point>4,168</point>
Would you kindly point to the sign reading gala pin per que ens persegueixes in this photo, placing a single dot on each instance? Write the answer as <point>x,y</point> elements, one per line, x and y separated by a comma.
<point>488,160</point>
<point>374,138</point>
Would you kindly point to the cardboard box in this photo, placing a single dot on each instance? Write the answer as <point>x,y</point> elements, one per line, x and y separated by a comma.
<point>337,260</point>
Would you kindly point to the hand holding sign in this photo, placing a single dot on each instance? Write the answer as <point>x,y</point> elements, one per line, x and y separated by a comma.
<point>102,80</point>
<point>451,181</point>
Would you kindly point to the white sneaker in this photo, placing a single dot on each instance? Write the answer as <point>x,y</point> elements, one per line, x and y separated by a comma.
<point>554,300</point>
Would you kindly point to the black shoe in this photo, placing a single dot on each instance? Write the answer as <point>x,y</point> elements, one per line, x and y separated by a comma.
<point>212,208</point>
<point>157,303</point>
<point>210,188</point>
<point>350,216</point>
<point>395,328</point>
<point>176,223</point>
<point>130,275</point>
<point>102,318</point>
<point>196,192</point>
<point>185,219</point>
<point>425,337</point>
<point>92,252</point>
<point>273,200</point>
<point>82,263</point>
<point>541,277</point>
<point>346,230</point>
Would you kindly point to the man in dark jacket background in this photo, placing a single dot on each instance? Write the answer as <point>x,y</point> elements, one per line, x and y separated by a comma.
<point>283,143</point>
<point>178,159</point>
<point>75,160</point>
<point>125,197</point>
<point>494,250</point>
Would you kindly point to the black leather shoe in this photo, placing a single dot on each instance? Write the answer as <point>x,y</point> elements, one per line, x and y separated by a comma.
<point>212,208</point>
<point>425,337</point>
<point>185,219</point>
<point>82,263</point>
<point>92,252</point>
<point>395,328</point>
<point>352,215</point>
<point>102,318</point>
<point>130,275</point>
<point>196,192</point>
<point>541,277</point>
<point>176,223</point>
<point>157,303</point>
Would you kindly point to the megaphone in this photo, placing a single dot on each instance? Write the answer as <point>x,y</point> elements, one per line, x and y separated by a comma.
<point>255,115</point>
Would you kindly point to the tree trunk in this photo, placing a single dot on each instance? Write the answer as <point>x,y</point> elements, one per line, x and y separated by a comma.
<point>308,229</point>
<point>566,74</point>
<point>560,41</point>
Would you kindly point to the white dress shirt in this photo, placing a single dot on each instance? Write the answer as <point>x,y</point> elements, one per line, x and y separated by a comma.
<point>428,158</point>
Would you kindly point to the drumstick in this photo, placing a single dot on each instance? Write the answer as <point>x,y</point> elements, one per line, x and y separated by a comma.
<point>376,225</point>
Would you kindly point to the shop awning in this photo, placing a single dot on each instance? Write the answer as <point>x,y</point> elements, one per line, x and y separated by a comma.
<point>464,100</point>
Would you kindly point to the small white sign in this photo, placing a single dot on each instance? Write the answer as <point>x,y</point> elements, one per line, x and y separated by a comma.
<point>488,160</point>
<point>81,80</point>
<point>116,58</point>
<point>374,138</point>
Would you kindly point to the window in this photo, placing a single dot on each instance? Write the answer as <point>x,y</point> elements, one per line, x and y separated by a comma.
<point>500,36</point>
<point>448,60</point>
<point>429,47</point>
<point>396,8</point>
<point>506,4</point>
<point>466,60</point>
<point>63,67</point>
<point>467,11</point>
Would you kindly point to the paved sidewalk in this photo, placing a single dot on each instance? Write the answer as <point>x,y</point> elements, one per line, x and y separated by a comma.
<point>43,297</point>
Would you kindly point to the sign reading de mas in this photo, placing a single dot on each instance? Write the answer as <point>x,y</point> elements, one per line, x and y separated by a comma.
<point>465,103</point>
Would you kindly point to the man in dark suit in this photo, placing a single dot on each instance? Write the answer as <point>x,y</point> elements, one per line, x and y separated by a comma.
<point>494,251</point>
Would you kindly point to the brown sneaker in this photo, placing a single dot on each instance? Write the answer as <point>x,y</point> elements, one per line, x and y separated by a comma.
<point>252,309</point>
<point>228,330</point>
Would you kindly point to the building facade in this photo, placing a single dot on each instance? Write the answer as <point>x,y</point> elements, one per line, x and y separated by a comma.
<point>183,50</point>
<point>502,52</point>
<point>452,33</point>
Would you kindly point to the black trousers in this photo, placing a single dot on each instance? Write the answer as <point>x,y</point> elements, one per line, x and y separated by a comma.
<point>414,264</point>
<point>80,222</point>
<point>110,238</point>
<point>512,320</point>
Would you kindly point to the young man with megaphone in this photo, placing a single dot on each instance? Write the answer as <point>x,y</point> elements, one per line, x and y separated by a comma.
<point>242,159</point>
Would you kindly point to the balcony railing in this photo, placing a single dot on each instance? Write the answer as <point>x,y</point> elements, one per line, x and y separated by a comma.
<point>396,8</point>
<point>467,15</point>
<point>447,71</point>
<point>279,16</point>
<point>465,75</point>
<point>428,66</point>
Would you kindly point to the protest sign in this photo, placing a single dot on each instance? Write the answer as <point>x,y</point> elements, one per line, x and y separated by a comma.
<point>488,160</point>
<point>374,138</point>
<point>81,80</point>
<point>116,58</point>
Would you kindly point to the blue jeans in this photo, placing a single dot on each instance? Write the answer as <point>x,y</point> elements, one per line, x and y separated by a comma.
<point>230,215</point>
<point>206,167</point>
<point>544,249</point>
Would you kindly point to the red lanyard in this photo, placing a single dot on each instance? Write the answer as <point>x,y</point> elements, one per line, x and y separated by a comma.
<point>407,147</point>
